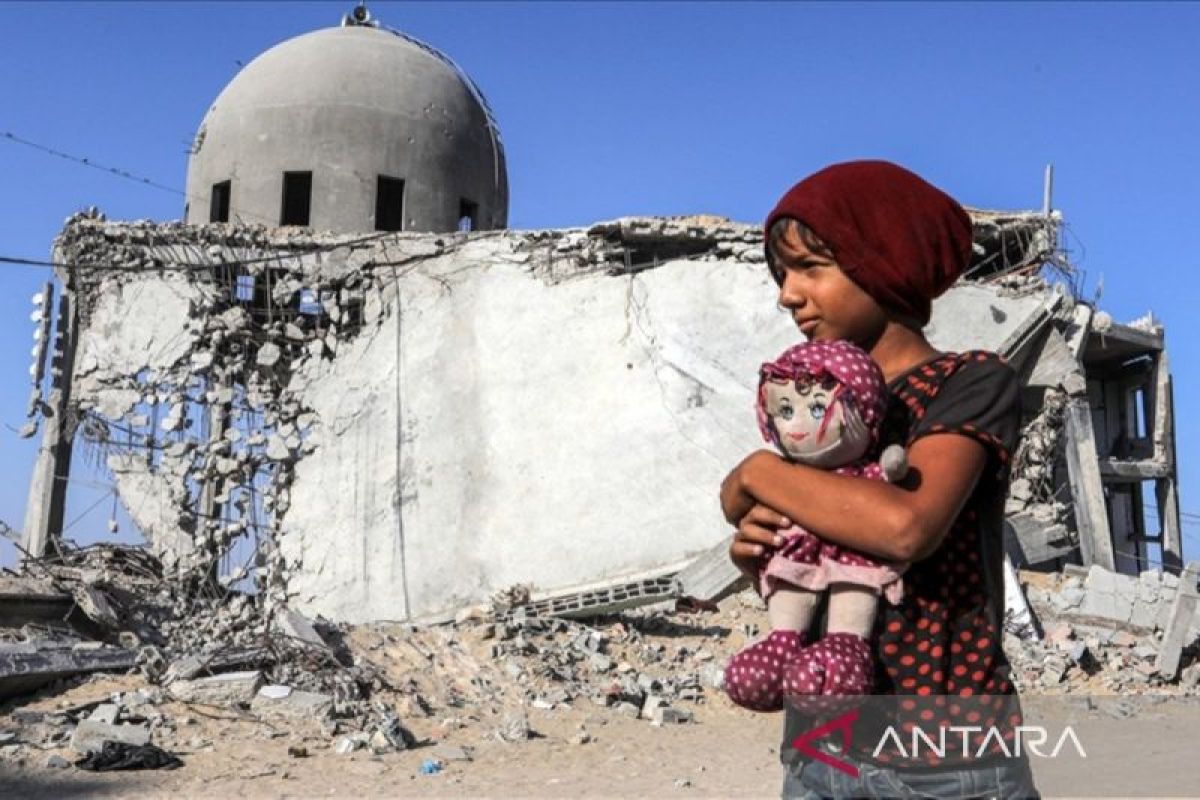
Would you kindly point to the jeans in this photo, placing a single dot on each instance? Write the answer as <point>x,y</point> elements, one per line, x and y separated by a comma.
<point>812,780</point>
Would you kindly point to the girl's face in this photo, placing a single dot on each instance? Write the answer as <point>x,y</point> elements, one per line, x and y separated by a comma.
<point>825,304</point>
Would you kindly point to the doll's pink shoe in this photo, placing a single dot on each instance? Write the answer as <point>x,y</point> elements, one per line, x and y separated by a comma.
<point>839,664</point>
<point>754,677</point>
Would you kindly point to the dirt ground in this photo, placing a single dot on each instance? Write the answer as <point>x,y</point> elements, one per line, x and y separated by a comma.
<point>724,753</point>
<point>451,689</point>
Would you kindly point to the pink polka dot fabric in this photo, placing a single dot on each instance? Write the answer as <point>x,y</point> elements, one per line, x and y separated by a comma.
<point>838,664</point>
<point>754,677</point>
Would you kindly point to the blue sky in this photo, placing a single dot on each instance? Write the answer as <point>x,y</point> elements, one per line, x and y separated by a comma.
<point>611,109</point>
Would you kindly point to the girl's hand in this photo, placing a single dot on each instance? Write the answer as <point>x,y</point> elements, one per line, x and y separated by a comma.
<point>736,501</point>
<point>757,537</point>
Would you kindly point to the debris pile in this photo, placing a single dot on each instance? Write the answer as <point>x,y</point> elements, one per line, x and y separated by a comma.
<point>1106,633</point>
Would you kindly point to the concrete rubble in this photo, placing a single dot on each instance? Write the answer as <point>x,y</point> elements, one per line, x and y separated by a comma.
<point>497,679</point>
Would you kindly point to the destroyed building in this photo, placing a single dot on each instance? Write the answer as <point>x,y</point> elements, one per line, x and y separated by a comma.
<point>402,424</point>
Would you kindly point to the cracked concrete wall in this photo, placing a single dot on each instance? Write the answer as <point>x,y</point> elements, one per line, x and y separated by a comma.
<point>499,429</point>
<point>531,408</point>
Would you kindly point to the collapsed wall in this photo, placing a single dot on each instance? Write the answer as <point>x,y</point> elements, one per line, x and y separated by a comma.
<point>402,424</point>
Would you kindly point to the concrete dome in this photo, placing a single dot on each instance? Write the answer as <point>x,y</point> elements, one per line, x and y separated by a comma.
<point>375,131</point>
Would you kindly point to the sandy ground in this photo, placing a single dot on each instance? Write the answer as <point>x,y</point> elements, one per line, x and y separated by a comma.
<point>725,753</point>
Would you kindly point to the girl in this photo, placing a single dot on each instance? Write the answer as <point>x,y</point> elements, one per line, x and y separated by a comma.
<point>859,251</point>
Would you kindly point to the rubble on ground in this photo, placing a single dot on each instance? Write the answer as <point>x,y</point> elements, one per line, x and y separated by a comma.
<point>490,678</point>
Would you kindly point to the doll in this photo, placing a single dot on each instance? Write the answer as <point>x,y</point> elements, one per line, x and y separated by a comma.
<point>821,403</point>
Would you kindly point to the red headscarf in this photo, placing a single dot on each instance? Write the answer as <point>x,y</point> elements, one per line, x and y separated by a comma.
<point>898,237</point>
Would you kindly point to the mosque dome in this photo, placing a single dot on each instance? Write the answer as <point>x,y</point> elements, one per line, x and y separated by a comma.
<point>350,129</point>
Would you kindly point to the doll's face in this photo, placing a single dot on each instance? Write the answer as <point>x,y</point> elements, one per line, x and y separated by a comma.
<point>812,426</point>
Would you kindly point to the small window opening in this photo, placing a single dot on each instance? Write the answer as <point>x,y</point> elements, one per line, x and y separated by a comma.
<point>389,204</point>
<point>297,198</point>
<point>218,206</point>
<point>244,289</point>
<point>467,214</point>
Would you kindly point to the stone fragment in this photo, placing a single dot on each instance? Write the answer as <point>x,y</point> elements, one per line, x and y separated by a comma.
<point>600,662</point>
<point>628,709</point>
<point>271,701</point>
<point>1059,635</point>
<point>294,624</point>
<point>268,355</point>
<point>348,744</point>
<point>225,689</point>
<point>1109,595</point>
<point>56,761</point>
<point>666,715</point>
<point>1067,598</point>
<point>452,752</point>
<point>1190,677</point>
<point>514,728</point>
<point>105,713</point>
<point>1053,671</point>
<point>277,449</point>
<point>90,735</point>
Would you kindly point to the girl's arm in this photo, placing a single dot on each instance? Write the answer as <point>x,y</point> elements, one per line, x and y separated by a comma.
<point>899,522</point>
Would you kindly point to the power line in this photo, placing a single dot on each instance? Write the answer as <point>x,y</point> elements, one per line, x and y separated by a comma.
<point>87,162</point>
<point>120,173</point>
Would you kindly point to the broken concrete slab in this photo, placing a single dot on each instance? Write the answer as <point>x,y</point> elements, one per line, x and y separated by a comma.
<point>90,735</point>
<point>294,624</point>
<point>1179,631</point>
<point>271,701</point>
<point>668,715</point>
<point>24,600</point>
<point>24,668</point>
<point>225,689</point>
<point>106,713</point>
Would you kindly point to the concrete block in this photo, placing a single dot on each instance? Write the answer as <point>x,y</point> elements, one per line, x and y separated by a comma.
<point>1109,595</point>
<point>1067,599</point>
<point>272,701</point>
<point>90,735</point>
<point>296,625</point>
<point>666,715</point>
<point>452,752</point>
<point>628,709</point>
<point>226,689</point>
<point>1144,614</point>
<point>105,713</point>
<point>651,705</point>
